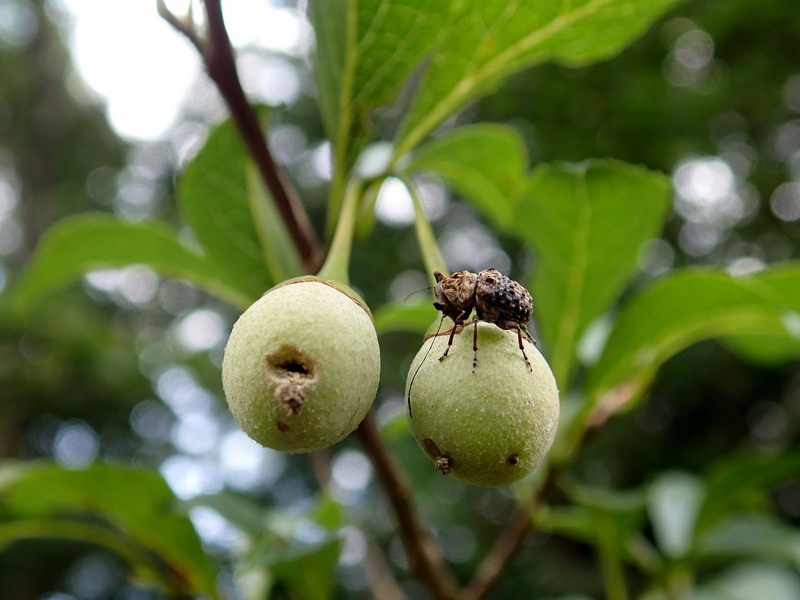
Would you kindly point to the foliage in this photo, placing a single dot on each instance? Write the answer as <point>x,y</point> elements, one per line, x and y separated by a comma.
<point>605,330</point>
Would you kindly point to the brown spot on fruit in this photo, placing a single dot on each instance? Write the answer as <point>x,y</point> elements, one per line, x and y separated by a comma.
<point>293,373</point>
<point>282,426</point>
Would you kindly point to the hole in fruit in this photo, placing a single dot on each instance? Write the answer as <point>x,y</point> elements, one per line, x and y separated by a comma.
<point>293,372</point>
<point>294,367</point>
<point>513,459</point>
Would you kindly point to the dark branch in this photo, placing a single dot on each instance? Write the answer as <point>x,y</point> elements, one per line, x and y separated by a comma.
<point>506,546</point>
<point>218,57</point>
<point>424,556</point>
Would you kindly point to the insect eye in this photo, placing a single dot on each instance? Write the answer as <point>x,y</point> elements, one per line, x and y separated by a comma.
<point>438,305</point>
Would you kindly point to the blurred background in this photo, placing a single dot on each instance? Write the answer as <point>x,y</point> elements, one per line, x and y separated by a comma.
<point>101,104</point>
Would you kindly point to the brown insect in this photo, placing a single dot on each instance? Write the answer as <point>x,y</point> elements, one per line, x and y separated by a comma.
<point>494,297</point>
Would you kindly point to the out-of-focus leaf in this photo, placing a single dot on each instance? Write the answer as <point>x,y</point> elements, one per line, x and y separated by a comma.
<point>415,318</point>
<point>214,199</point>
<point>242,512</point>
<point>280,253</point>
<point>309,575</point>
<point>81,243</point>
<point>752,581</point>
<point>782,281</point>
<point>744,480</point>
<point>681,309</point>
<point>365,51</point>
<point>586,223</point>
<point>751,536</point>
<point>485,163</point>
<point>490,39</point>
<point>674,501</point>
<point>136,502</point>
<point>611,522</point>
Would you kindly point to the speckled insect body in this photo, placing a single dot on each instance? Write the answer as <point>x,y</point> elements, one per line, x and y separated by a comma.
<point>495,298</point>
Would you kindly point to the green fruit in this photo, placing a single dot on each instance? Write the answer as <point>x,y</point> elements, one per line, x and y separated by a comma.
<point>490,427</point>
<point>301,366</point>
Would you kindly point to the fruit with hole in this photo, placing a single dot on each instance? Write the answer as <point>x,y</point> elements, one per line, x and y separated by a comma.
<point>301,366</point>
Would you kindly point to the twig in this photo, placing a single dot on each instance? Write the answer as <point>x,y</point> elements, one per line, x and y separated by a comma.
<point>424,556</point>
<point>507,544</point>
<point>217,54</point>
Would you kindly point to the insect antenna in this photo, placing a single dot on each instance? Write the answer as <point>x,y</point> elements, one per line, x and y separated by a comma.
<point>425,289</point>
<point>419,366</point>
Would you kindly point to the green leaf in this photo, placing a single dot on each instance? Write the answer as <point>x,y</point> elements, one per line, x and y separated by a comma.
<point>365,51</point>
<point>586,223</point>
<point>81,243</point>
<point>309,575</point>
<point>674,501</point>
<point>136,502</point>
<point>741,481</point>
<point>280,253</point>
<point>750,581</point>
<point>775,349</point>
<point>751,536</point>
<point>415,318</point>
<point>485,163</point>
<point>215,201</point>
<point>683,308</point>
<point>491,39</point>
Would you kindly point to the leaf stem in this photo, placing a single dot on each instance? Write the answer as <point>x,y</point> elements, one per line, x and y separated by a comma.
<point>431,255</point>
<point>218,57</point>
<point>337,263</point>
<point>424,555</point>
<point>508,542</point>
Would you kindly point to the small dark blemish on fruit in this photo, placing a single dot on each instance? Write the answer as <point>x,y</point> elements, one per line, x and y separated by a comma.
<point>513,460</point>
<point>441,461</point>
<point>282,426</point>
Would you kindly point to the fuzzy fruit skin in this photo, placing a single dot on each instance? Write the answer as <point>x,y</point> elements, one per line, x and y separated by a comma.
<point>494,425</point>
<point>326,330</point>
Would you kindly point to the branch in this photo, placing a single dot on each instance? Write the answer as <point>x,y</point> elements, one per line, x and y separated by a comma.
<point>218,57</point>
<point>424,556</point>
<point>506,546</point>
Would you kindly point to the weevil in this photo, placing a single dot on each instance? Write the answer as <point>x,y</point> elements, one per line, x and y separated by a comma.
<point>494,297</point>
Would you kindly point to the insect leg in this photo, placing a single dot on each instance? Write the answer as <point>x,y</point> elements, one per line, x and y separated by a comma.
<point>522,347</point>
<point>458,321</point>
<point>529,336</point>
<point>475,344</point>
<point>449,341</point>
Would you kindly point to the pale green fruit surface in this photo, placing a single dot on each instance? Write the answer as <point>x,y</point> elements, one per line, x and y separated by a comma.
<point>301,366</point>
<point>493,426</point>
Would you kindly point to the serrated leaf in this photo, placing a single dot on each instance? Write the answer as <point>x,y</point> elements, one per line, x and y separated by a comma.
<point>683,308</point>
<point>485,163</point>
<point>586,223</point>
<point>366,49</point>
<point>214,199</point>
<point>136,502</point>
<point>492,39</point>
<point>81,243</point>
